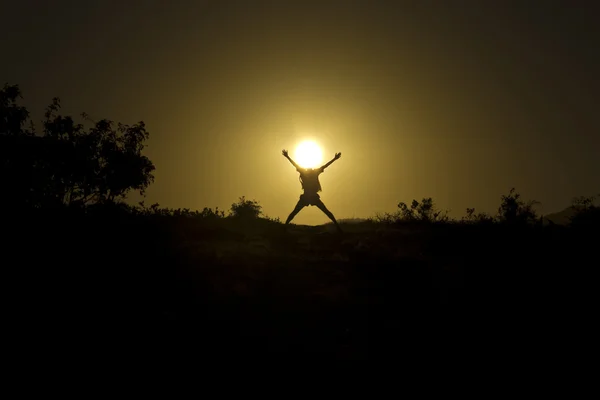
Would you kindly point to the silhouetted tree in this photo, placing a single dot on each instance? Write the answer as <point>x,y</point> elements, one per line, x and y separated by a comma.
<point>16,147</point>
<point>12,115</point>
<point>67,165</point>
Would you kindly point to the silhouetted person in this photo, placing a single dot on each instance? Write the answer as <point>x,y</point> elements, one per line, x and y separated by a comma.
<point>309,178</point>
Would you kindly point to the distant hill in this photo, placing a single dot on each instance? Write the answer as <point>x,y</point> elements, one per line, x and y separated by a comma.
<point>561,217</point>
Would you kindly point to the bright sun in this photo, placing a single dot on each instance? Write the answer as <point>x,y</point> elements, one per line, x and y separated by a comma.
<point>308,154</point>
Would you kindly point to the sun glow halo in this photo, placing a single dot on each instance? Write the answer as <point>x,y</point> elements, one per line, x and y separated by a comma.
<point>308,154</point>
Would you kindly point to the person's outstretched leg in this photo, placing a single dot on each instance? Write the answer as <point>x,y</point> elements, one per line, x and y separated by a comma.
<point>322,207</point>
<point>296,210</point>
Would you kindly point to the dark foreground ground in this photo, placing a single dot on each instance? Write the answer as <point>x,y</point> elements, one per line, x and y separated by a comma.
<point>138,286</point>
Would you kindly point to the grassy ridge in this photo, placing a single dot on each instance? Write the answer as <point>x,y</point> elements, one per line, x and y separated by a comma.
<point>235,287</point>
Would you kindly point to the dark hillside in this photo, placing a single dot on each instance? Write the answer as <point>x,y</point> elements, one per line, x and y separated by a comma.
<point>231,287</point>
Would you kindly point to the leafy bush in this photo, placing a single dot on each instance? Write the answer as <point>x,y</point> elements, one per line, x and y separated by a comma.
<point>423,211</point>
<point>513,210</point>
<point>246,209</point>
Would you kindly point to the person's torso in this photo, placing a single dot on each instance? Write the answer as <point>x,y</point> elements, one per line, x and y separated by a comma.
<point>310,181</point>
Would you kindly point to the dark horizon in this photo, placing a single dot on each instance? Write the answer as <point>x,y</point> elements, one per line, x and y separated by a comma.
<point>459,102</point>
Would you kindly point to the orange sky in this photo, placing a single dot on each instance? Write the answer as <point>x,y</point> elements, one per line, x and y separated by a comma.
<point>422,98</point>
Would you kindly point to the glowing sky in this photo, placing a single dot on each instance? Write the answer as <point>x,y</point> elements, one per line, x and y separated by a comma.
<point>459,101</point>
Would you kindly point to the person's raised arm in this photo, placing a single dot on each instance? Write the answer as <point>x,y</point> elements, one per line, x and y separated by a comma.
<point>337,156</point>
<point>285,154</point>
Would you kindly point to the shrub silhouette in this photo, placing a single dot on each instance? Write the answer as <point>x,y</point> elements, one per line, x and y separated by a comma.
<point>513,210</point>
<point>423,211</point>
<point>246,209</point>
<point>481,217</point>
<point>156,210</point>
<point>67,164</point>
<point>586,212</point>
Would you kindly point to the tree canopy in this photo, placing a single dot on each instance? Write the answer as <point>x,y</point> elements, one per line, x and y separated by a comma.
<point>67,163</point>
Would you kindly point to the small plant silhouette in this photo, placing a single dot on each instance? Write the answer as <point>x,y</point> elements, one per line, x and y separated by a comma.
<point>480,217</point>
<point>587,213</point>
<point>246,209</point>
<point>424,211</point>
<point>513,210</point>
